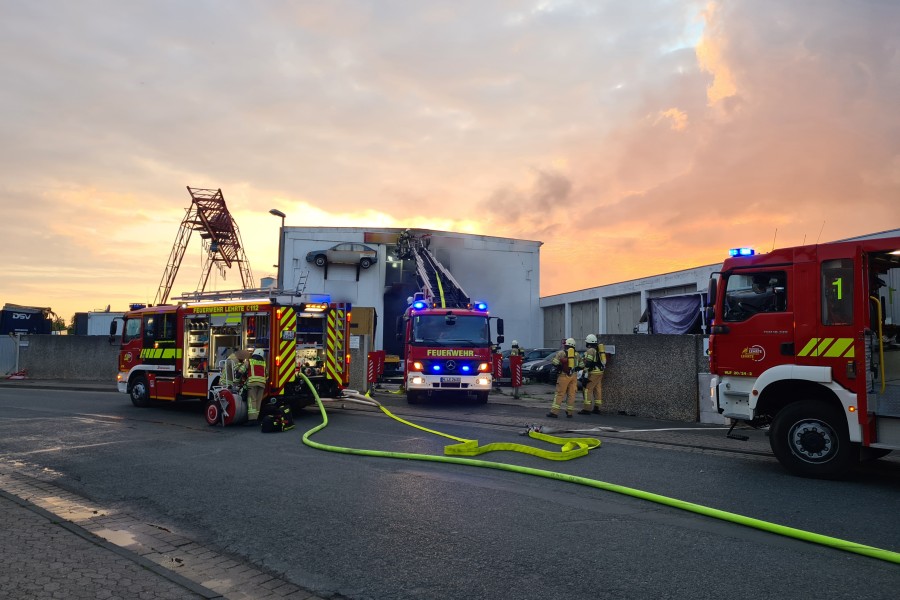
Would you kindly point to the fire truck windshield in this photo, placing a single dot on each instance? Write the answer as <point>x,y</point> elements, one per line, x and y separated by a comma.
<point>450,330</point>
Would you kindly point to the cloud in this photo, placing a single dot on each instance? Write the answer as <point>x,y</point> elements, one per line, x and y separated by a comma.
<point>630,145</point>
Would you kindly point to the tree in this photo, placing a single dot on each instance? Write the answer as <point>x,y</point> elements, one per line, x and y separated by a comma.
<point>59,324</point>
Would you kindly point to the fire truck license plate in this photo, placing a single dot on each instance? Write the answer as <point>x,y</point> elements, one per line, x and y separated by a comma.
<point>450,380</point>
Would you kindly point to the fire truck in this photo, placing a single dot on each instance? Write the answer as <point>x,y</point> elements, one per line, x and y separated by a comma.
<point>804,340</point>
<point>446,336</point>
<point>175,352</point>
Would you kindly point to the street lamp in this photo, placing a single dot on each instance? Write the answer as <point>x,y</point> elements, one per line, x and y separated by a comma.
<point>278,213</point>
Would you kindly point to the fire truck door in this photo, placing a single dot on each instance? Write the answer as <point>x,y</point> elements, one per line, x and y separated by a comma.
<point>835,345</point>
<point>758,315</point>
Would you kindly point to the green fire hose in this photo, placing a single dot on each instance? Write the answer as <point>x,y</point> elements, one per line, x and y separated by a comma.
<point>572,448</point>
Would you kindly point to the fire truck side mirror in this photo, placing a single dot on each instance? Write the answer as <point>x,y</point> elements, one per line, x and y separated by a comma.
<point>500,330</point>
<point>113,327</point>
<point>711,292</point>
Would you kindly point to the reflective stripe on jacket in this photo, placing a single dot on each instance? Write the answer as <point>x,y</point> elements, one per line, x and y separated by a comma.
<point>257,372</point>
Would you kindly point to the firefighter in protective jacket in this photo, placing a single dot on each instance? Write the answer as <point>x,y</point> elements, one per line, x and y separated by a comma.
<point>567,363</point>
<point>594,365</point>
<point>235,370</point>
<point>256,383</point>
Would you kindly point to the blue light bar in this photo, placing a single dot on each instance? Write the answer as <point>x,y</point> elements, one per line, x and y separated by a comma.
<point>481,306</point>
<point>741,252</point>
<point>419,305</point>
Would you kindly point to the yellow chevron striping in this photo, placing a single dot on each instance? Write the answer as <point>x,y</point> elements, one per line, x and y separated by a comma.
<point>838,347</point>
<point>822,346</point>
<point>809,346</point>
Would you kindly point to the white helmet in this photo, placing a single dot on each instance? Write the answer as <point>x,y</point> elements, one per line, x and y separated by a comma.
<point>570,342</point>
<point>515,343</point>
<point>590,339</point>
<point>258,353</point>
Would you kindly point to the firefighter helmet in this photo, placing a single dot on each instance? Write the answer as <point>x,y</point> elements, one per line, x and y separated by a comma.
<point>570,342</point>
<point>515,344</point>
<point>590,339</point>
<point>258,353</point>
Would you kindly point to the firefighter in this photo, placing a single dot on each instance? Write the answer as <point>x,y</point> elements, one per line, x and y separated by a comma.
<point>515,350</point>
<point>256,383</point>
<point>235,370</point>
<point>594,365</point>
<point>567,363</point>
<point>404,244</point>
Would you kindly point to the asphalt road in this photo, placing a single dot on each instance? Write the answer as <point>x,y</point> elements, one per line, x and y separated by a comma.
<point>363,527</point>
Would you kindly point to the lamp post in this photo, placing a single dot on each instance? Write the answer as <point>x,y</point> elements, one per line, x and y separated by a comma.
<point>278,213</point>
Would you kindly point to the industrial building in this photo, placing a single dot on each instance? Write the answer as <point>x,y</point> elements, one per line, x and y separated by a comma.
<point>339,261</point>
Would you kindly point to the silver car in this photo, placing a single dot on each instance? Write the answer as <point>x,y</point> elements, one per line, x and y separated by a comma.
<point>347,253</point>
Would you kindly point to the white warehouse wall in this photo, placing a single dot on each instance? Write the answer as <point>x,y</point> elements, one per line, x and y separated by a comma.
<point>503,272</point>
<point>698,276</point>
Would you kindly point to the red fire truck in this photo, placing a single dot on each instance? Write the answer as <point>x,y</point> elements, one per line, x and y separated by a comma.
<point>176,352</point>
<point>446,337</point>
<point>448,351</point>
<point>805,340</point>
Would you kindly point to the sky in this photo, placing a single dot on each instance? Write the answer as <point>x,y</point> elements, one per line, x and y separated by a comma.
<point>630,138</point>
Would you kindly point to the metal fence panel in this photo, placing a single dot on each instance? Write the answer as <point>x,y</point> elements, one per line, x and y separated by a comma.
<point>7,355</point>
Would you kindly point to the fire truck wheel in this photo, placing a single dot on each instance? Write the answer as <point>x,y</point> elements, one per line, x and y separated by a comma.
<point>810,439</point>
<point>213,413</point>
<point>140,392</point>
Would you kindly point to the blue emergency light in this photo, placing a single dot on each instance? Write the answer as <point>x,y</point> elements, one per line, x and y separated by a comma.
<point>466,368</point>
<point>436,368</point>
<point>741,252</point>
<point>482,306</point>
<point>419,305</point>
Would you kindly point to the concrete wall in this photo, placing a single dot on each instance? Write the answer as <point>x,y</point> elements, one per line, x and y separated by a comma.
<point>655,376</point>
<point>79,357</point>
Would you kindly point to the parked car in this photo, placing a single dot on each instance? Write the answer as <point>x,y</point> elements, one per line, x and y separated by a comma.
<point>543,371</point>
<point>347,253</point>
<point>540,371</point>
<point>527,356</point>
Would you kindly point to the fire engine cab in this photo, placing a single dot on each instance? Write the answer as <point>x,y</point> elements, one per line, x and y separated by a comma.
<point>176,352</point>
<point>805,340</point>
<point>448,351</point>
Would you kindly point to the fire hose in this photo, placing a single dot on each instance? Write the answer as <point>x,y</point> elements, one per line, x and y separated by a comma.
<point>456,454</point>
